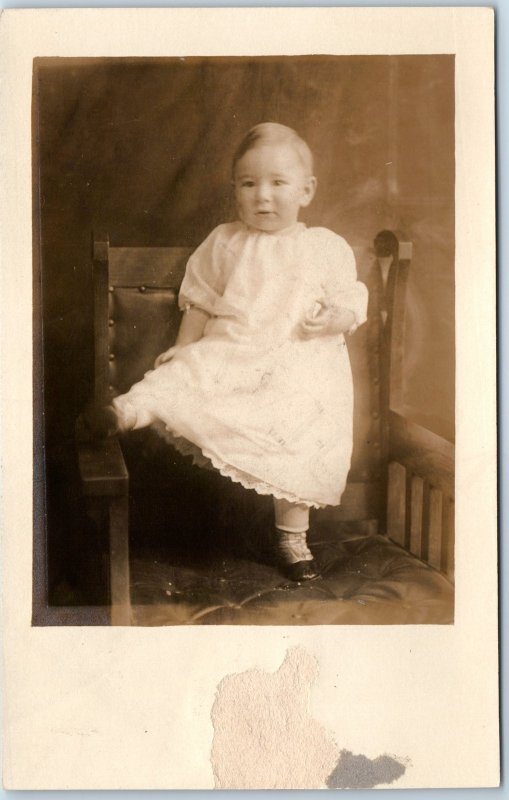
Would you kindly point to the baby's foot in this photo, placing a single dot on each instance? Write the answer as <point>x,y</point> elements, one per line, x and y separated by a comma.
<point>97,423</point>
<point>295,557</point>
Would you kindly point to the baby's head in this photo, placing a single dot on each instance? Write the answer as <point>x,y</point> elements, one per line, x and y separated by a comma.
<point>273,177</point>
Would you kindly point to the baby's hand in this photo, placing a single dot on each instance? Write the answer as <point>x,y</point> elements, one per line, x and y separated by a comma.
<point>166,356</point>
<point>326,319</point>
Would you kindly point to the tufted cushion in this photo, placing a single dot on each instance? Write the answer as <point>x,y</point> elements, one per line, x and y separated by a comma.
<point>364,580</point>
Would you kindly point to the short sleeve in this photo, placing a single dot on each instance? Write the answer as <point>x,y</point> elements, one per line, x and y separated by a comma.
<point>340,280</point>
<point>204,279</point>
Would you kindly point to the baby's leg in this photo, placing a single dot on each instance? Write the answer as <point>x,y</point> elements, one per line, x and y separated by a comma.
<point>131,415</point>
<point>292,524</point>
<point>101,421</point>
<point>291,517</point>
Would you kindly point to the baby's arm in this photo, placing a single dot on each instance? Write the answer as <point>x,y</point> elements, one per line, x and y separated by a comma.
<point>192,326</point>
<point>191,330</point>
<point>326,319</point>
<point>343,304</point>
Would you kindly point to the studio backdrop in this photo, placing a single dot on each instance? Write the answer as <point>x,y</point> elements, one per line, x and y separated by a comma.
<point>142,149</point>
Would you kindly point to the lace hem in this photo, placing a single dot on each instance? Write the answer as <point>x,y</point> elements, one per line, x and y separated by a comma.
<point>207,461</point>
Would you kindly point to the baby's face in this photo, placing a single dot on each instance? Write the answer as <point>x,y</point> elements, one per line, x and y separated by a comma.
<point>271,186</point>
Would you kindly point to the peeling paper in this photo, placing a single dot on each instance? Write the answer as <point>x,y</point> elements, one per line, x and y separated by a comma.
<point>265,736</point>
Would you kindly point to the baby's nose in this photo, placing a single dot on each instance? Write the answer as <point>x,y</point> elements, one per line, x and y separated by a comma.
<point>263,191</point>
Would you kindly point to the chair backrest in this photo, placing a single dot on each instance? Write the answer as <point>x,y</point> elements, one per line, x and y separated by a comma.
<point>376,353</point>
<point>137,318</point>
<point>418,510</point>
<point>136,315</point>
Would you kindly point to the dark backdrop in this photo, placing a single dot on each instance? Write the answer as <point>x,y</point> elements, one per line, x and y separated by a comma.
<point>141,148</point>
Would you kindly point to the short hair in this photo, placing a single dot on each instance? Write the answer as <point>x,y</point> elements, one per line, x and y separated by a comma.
<point>274,133</point>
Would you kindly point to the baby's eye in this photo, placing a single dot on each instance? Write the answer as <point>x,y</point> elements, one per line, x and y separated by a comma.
<point>247,183</point>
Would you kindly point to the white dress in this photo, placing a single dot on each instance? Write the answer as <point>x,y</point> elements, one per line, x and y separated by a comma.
<point>267,408</point>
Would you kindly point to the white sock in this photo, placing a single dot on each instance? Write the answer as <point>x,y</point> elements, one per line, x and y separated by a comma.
<point>292,547</point>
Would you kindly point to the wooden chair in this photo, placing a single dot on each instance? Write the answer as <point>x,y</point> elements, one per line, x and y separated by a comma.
<point>401,483</point>
<point>136,318</point>
<point>420,474</point>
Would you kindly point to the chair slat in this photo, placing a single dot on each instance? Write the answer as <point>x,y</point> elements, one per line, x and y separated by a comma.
<point>448,539</point>
<point>422,452</point>
<point>396,503</point>
<point>416,501</point>
<point>435,528</point>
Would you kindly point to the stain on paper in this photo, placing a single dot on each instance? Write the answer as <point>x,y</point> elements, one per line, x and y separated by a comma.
<point>266,738</point>
<point>360,772</point>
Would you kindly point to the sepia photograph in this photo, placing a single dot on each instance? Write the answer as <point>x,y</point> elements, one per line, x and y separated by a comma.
<point>248,423</point>
<point>244,340</point>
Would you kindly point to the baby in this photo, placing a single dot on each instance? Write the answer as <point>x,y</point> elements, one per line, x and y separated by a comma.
<point>258,383</point>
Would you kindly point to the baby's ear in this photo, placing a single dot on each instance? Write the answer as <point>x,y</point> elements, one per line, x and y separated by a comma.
<point>309,190</point>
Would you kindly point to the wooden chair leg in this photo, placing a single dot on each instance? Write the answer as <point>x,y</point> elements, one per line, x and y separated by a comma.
<point>119,561</point>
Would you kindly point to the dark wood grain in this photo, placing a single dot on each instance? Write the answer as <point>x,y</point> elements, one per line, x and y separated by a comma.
<point>100,288</point>
<point>102,468</point>
<point>151,267</point>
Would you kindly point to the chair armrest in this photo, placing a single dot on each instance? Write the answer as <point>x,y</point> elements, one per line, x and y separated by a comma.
<point>102,468</point>
<point>421,451</point>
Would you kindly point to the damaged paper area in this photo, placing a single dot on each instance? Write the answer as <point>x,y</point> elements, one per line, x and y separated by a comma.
<point>265,736</point>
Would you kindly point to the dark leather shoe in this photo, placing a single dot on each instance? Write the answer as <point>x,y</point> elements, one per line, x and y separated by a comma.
<point>301,571</point>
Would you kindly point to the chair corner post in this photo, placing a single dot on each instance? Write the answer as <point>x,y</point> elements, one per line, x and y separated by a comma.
<point>100,258</point>
<point>100,247</point>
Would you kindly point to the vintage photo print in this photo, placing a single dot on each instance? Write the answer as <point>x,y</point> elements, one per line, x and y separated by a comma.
<point>249,406</point>
<point>170,216</point>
